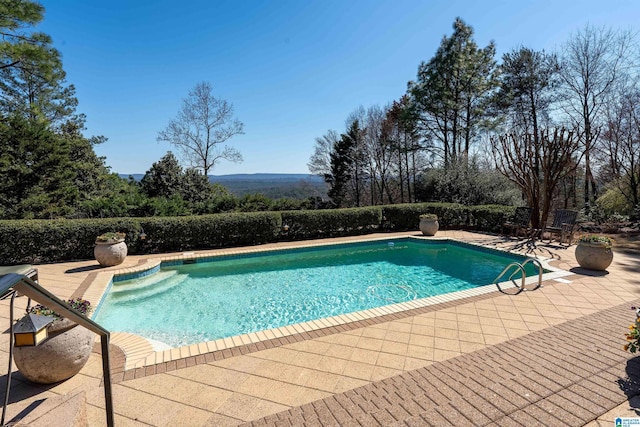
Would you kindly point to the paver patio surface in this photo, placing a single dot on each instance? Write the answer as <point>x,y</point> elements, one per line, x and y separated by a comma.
<point>552,356</point>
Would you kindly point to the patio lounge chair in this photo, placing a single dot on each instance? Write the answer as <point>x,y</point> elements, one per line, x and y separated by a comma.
<point>564,223</point>
<point>519,222</point>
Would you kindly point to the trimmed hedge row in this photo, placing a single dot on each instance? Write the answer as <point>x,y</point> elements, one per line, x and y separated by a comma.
<point>300,225</point>
<point>171,234</point>
<point>451,216</point>
<point>31,241</point>
<point>37,241</point>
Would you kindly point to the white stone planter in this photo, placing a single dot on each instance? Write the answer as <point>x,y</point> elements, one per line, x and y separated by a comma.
<point>59,357</point>
<point>429,226</point>
<point>593,256</point>
<point>111,252</point>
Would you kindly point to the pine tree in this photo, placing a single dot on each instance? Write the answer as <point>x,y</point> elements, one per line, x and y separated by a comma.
<point>342,166</point>
<point>451,92</point>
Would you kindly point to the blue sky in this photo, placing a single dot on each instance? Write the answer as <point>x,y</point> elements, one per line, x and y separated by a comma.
<point>292,69</point>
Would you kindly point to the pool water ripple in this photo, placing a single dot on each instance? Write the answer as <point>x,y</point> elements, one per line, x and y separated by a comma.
<point>192,303</point>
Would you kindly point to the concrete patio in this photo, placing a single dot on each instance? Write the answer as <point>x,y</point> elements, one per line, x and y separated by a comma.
<point>552,356</point>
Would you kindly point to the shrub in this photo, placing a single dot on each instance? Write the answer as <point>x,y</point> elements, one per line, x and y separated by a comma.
<point>254,202</point>
<point>37,241</point>
<point>210,231</point>
<point>611,202</point>
<point>287,204</point>
<point>407,216</point>
<point>489,217</point>
<point>450,216</point>
<point>34,241</point>
<point>331,222</point>
<point>466,182</point>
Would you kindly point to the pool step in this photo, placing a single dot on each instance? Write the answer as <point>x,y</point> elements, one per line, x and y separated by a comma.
<point>143,282</point>
<point>150,289</point>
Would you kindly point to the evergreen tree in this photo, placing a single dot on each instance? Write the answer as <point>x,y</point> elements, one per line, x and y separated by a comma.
<point>451,92</point>
<point>196,187</point>
<point>526,89</point>
<point>18,47</point>
<point>341,165</point>
<point>36,171</point>
<point>164,178</point>
<point>32,81</point>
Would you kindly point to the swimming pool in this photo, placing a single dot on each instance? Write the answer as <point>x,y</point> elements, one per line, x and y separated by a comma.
<point>191,302</point>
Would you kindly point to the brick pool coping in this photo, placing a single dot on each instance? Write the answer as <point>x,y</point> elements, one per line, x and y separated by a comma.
<point>140,359</point>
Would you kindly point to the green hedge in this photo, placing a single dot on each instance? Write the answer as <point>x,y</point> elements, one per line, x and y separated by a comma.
<point>330,223</point>
<point>451,216</point>
<point>489,217</point>
<point>32,241</point>
<point>170,234</point>
<point>407,216</point>
<point>38,241</point>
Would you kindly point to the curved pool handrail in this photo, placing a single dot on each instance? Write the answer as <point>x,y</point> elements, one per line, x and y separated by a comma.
<point>540,270</point>
<point>519,268</point>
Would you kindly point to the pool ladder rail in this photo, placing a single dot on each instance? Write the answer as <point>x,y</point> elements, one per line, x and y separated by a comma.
<point>515,268</point>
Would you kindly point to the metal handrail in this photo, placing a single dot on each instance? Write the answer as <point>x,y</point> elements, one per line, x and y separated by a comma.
<point>520,268</point>
<point>540,270</point>
<point>31,289</point>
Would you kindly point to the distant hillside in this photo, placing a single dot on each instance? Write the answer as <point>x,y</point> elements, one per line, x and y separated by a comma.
<point>272,185</point>
<point>271,177</point>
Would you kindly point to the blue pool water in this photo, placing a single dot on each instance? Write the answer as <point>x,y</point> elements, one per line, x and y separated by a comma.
<point>232,295</point>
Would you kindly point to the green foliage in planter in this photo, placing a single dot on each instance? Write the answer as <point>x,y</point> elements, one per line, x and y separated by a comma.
<point>111,236</point>
<point>80,305</point>
<point>596,239</point>
<point>331,222</point>
<point>428,216</point>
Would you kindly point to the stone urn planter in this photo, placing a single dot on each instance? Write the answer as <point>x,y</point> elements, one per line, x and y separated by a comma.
<point>110,249</point>
<point>594,252</point>
<point>59,357</point>
<point>429,224</point>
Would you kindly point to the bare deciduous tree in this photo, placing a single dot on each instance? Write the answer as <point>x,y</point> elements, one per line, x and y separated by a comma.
<point>592,62</point>
<point>320,161</point>
<point>202,125</point>
<point>517,157</point>
<point>622,144</point>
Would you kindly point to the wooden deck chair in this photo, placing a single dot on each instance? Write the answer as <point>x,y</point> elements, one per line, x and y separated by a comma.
<point>519,221</point>
<point>564,223</point>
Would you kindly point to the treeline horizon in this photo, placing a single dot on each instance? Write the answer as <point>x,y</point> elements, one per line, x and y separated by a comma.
<point>439,141</point>
<point>562,129</point>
